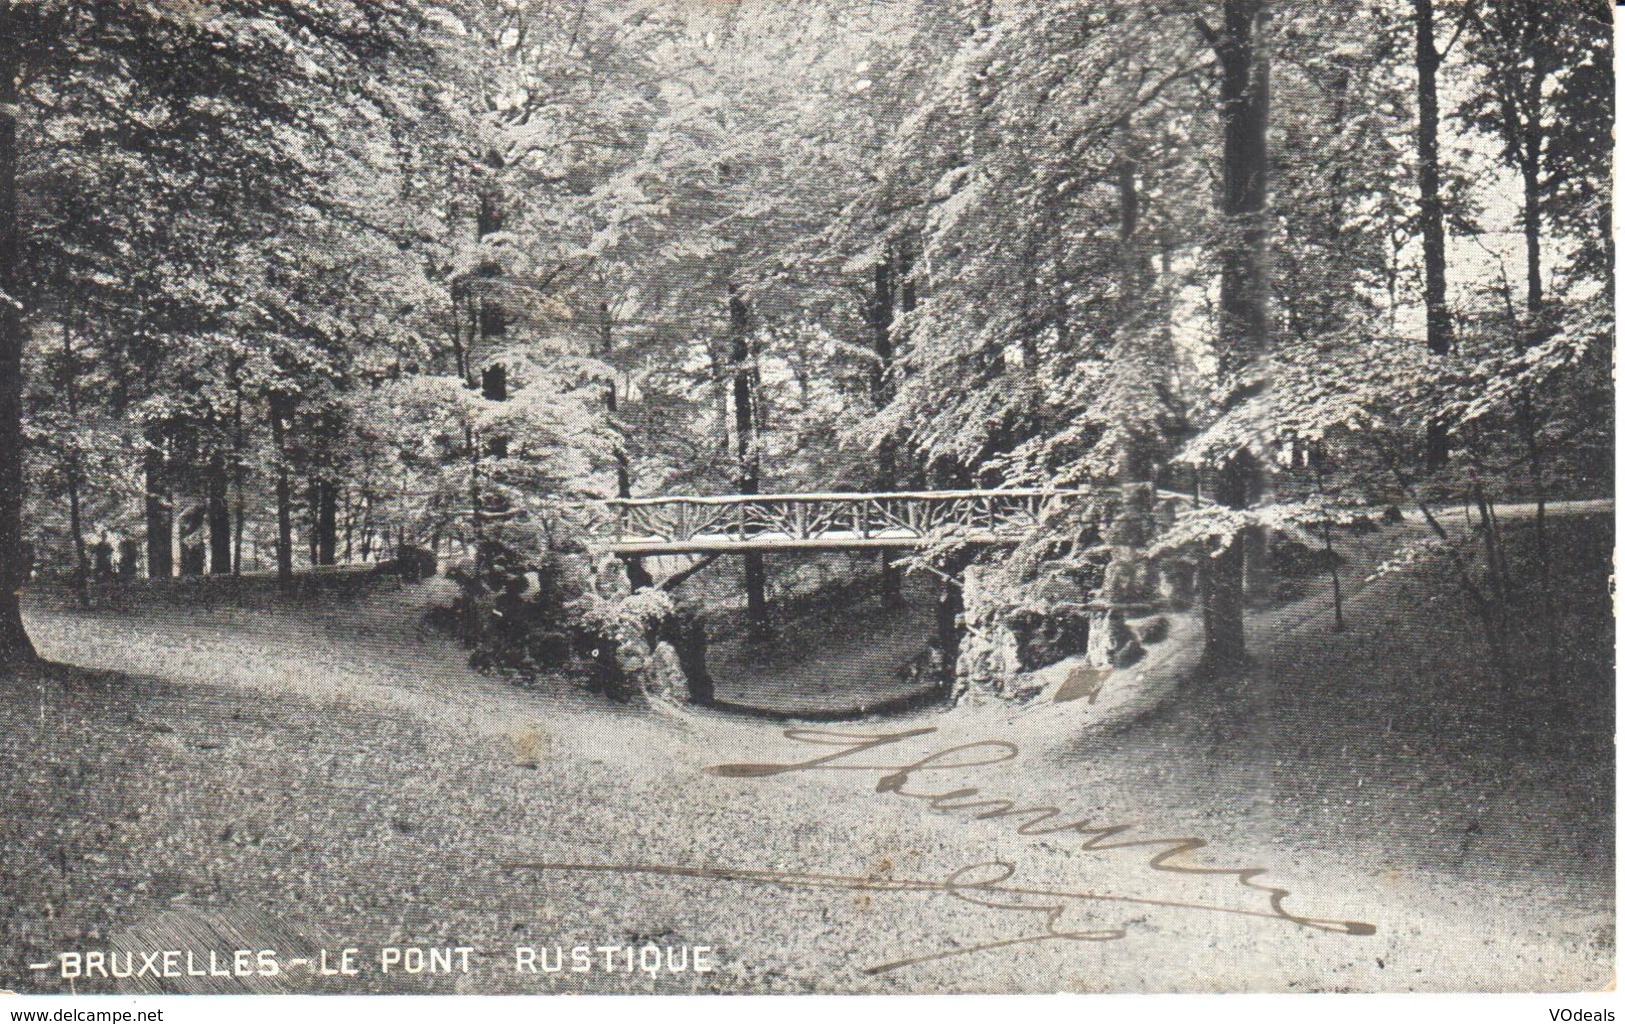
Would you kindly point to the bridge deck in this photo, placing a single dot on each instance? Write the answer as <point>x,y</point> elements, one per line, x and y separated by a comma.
<point>829,522</point>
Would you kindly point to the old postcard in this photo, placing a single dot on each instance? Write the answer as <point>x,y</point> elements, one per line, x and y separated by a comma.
<point>806,496</point>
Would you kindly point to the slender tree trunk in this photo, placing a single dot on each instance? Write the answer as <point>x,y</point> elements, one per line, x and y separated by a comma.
<point>458,317</point>
<point>489,502</point>
<point>723,377</point>
<point>1243,295</point>
<point>76,526</point>
<point>950,605</point>
<point>1530,168</point>
<point>637,577</point>
<point>1244,110</point>
<point>192,548</point>
<point>1225,580</point>
<point>1439,327</point>
<point>237,479</point>
<point>280,412</point>
<point>160,511</point>
<point>880,393</point>
<point>476,506</point>
<point>15,647</point>
<point>327,522</point>
<point>750,467</point>
<point>491,322</point>
<point>70,373</point>
<point>1136,459</point>
<point>1495,572</point>
<point>366,522</point>
<point>1537,477</point>
<point>313,528</point>
<point>490,325</point>
<point>606,352</point>
<point>219,515</point>
<point>1528,414</point>
<point>911,472</point>
<point>1317,456</point>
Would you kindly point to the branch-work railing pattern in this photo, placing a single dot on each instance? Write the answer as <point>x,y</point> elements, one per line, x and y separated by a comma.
<point>761,522</point>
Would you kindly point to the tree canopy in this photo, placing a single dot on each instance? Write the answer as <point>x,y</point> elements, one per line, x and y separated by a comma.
<point>292,284</point>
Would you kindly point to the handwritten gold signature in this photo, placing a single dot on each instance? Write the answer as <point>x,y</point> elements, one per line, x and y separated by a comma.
<point>985,884</point>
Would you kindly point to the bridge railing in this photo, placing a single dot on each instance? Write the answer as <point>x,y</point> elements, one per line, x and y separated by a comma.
<point>746,522</point>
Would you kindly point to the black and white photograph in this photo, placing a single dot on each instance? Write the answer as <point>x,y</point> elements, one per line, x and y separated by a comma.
<point>806,497</point>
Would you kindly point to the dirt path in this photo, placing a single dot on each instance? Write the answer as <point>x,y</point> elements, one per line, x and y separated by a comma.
<point>838,661</point>
<point>331,774</point>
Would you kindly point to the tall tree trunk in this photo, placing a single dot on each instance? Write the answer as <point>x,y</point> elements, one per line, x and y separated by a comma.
<point>313,529</point>
<point>950,606</point>
<point>219,516</point>
<point>490,326</point>
<point>366,522</point>
<point>880,394</point>
<point>1135,352</point>
<point>280,412</point>
<point>237,470</point>
<point>491,322</point>
<point>490,219</point>
<point>724,398</point>
<point>459,316</point>
<point>1534,132</point>
<point>192,548</point>
<point>606,352</point>
<point>76,526</point>
<point>70,373</point>
<point>160,512</point>
<point>1243,295</point>
<point>1135,460</point>
<point>1224,582</point>
<point>1440,330</point>
<point>488,501</point>
<point>749,454</point>
<point>913,471</point>
<point>476,507</point>
<point>327,522</point>
<point>636,575</point>
<point>15,647</point>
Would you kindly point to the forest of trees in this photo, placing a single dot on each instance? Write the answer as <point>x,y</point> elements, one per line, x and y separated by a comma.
<point>287,283</point>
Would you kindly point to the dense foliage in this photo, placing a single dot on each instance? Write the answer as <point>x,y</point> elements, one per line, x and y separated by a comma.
<point>301,284</point>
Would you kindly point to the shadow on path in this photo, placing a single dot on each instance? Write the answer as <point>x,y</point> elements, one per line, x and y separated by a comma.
<point>836,663</point>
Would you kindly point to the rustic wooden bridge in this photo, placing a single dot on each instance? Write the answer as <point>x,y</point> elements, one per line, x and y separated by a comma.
<point>828,522</point>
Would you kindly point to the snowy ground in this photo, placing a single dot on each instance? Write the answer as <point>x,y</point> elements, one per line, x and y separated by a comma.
<point>328,775</point>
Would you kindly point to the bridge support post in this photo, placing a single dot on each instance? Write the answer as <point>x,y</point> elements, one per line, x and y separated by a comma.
<point>950,606</point>
<point>891,581</point>
<point>637,577</point>
<point>685,631</point>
